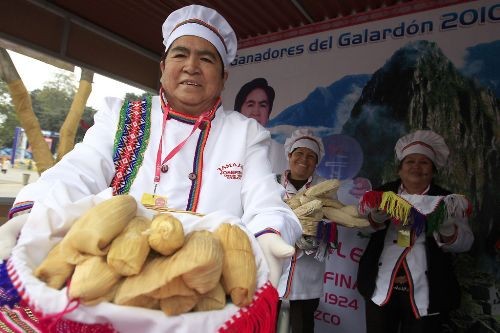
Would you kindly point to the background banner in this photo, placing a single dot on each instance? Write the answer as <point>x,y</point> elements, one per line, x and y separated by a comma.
<point>361,86</point>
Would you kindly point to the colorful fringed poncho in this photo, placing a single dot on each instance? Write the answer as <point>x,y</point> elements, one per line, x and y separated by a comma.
<point>419,212</point>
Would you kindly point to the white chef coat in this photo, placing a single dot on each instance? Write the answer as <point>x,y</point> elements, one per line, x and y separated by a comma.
<point>234,144</point>
<point>305,277</point>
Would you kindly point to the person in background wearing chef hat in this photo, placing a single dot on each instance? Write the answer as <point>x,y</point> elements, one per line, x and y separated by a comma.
<point>255,100</point>
<point>408,282</point>
<point>186,150</point>
<point>303,285</point>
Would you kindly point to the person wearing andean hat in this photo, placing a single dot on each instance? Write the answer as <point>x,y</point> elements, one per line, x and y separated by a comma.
<point>408,282</point>
<point>303,285</point>
<point>180,146</point>
<point>255,100</point>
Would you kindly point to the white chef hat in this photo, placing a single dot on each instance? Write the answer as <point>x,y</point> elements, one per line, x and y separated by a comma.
<point>200,21</point>
<point>423,142</point>
<point>305,138</point>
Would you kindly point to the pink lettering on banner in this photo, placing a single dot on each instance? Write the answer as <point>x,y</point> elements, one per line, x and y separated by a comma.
<point>341,301</point>
<point>354,254</point>
<point>326,317</point>
<point>340,280</point>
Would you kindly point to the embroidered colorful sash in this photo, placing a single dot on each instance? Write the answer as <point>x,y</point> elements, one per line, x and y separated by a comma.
<point>131,140</point>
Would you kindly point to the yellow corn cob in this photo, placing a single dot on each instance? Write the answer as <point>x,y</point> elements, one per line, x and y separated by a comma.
<point>177,305</point>
<point>92,233</point>
<point>340,217</point>
<point>54,270</point>
<point>308,208</point>
<point>92,279</point>
<point>166,234</point>
<point>239,271</point>
<point>199,261</point>
<point>323,187</point>
<point>215,299</point>
<point>129,250</point>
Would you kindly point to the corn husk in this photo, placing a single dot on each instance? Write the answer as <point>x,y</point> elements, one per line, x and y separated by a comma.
<point>128,252</point>
<point>322,188</point>
<point>340,217</point>
<point>54,270</point>
<point>166,235</point>
<point>215,299</point>
<point>153,276</point>
<point>294,201</point>
<point>199,261</point>
<point>93,279</point>
<point>351,210</point>
<point>239,271</point>
<point>177,305</point>
<point>92,233</point>
<point>174,287</point>
<point>309,225</point>
<point>330,202</point>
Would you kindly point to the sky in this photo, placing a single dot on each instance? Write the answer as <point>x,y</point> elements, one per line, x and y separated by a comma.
<point>35,74</point>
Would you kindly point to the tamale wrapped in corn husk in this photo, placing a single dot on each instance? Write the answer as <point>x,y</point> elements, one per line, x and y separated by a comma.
<point>166,234</point>
<point>54,270</point>
<point>199,261</point>
<point>176,305</point>
<point>92,233</point>
<point>92,279</point>
<point>215,299</point>
<point>174,287</point>
<point>154,275</point>
<point>128,252</point>
<point>239,271</point>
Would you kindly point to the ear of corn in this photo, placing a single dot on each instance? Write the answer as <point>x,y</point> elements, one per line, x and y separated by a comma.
<point>199,261</point>
<point>177,305</point>
<point>54,270</point>
<point>329,202</point>
<point>351,210</point>
<point>92,279</point>
<point>215,299</point>
<point>239,272</point>
<point>293,202</point>
<point>322,188</point>
<point>305,199</point>
<point>166,234</point>
<point>93,232</point>
<point>129,250</point>
<point>340,217</point>
<point>308,208</point>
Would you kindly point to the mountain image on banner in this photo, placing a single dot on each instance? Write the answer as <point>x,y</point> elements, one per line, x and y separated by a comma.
<point>324,106</point>
<point>481,63</point>
<point>420,88</point>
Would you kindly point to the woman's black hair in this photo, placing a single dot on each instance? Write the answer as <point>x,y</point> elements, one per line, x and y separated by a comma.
<point>248,87</point>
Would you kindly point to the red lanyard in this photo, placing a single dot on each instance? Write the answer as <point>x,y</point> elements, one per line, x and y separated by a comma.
<point>166,109</point>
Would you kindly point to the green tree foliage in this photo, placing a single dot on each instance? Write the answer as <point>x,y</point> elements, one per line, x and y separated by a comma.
<point>8,117</point>
<point>53,101</point>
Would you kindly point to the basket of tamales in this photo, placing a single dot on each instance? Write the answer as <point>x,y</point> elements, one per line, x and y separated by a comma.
<point>108,261</point>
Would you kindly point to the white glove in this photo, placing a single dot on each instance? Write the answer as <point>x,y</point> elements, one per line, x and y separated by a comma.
<point>275,250</point>
<point>379,216</point>
<point>447,229</point>
<point>8,234</point>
